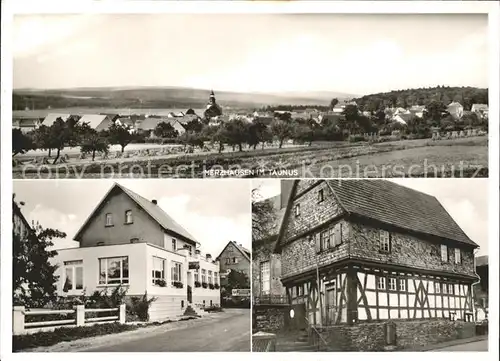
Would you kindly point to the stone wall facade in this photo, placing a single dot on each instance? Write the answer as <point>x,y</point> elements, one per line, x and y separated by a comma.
<point>312,212</point>
<point>406,250</point>
<point>269,318</point>
<point>408,334</point>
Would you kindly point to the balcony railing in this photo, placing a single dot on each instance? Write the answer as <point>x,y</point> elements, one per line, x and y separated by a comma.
<point>270,300</point>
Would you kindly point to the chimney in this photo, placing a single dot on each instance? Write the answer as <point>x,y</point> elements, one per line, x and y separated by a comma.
<point>208,257</point>
<point>154,201</point>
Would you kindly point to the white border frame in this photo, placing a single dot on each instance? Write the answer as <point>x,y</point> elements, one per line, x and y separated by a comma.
<point>10,7</point>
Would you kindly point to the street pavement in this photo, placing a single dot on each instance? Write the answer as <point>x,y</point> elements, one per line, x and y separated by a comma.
<point>230,333</point>
<point>470,346</point>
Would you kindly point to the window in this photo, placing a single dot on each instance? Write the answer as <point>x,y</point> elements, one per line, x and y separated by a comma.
<point>297,210</point>
<point>381,283</point>
<point>437,287</point>
<point>176,272</point>
<point>384,241</point>
<point>190,250</point>
<point>235,260</point>
<point>444,253</point>
<point>203,275</point>
<point>216,278</point>
<point>158,270</point>
<point>392,284</point>
<point>113,270</point>
<point>320,196</point>
<point>265,277</point>
<point>228,260</point>
<point>174,245</point>
<point>73,271</point>
<point>210,277</point>
<point>336,234</point>
<point>402,284</point>
<point>325,239</point>
<point>451,289</point>
<point>128,217</point>
<point>109,220</point>
<point>196,276</point>
<point>445,289</point>
<point>458,258</point>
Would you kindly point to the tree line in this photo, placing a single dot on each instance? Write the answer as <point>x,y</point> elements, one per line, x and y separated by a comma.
<point>239,132</point>
<point>466,96</point>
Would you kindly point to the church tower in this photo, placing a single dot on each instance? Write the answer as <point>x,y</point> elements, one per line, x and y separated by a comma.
<point>213,109</point>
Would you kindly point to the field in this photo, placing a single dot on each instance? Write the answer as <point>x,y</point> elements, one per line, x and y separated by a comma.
<point>465,157</point>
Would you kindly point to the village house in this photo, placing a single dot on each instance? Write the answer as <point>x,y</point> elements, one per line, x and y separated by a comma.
<point>52,117</point>
<point>98,121</point>
<point>130,241</point>
<point>266,265</point>
<point>357,251</point>
<point>26,124</point>
<point>417,110</point>
<point>149,124</point>
<point>233,257</point>
<point>480,109</point>
<point>456,110</point>
<point>481,288</point>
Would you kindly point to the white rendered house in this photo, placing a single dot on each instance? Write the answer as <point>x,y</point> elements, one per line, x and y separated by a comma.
<point>131,241</point>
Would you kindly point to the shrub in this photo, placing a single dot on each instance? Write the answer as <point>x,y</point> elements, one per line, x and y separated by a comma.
<point>22,342</point>
<point>216,286</point>
<point>356,138</point>
<point>197,284</point>
<point>211,286</point>
<point>214,308</point>
<point>204,284</point>
<point>139,307</point>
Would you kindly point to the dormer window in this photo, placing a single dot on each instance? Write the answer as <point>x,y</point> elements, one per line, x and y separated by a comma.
<point>297,210</point>
<point>320,196</point>
<point>109,220</point>
<point>128,217</point>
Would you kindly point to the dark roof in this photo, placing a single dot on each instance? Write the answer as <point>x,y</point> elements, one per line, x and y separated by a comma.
<point>397,206</point>
<point>245,252</point>
<point>481,261</point>
<point>158,214</point>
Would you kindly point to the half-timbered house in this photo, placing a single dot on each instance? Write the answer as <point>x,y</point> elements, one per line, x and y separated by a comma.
<point>356,251</point>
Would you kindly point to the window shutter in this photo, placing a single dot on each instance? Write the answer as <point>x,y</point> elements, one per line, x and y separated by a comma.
<point>338,234</point>
<point>317,237</point>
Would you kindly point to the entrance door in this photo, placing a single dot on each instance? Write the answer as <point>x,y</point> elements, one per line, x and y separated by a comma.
<point>331,304</point>
<point>297,317</point>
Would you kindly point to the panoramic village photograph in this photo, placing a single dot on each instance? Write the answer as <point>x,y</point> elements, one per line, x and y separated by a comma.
<point>369,265</point>
<point>250,95</point>
<point>132,266</point>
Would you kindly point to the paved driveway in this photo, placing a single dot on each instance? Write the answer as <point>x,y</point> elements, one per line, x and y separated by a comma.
<point>471,346</point>
<point>231,333</point>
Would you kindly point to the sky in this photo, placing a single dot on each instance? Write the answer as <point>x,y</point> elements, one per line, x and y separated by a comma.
<point>351,53</point>
<point>213,211</point>
<point>466,200</point>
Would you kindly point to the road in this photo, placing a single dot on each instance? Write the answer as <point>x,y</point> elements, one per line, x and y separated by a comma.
<point>471,346</point>
<point>227,334</point>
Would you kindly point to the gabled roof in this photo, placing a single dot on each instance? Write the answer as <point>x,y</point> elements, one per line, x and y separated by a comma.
<point>245,252</point>
<point>393,205</point>
<point>52,117</point>
<point>94,120</point>
<point>158,214</point>
<point>151,122</point>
